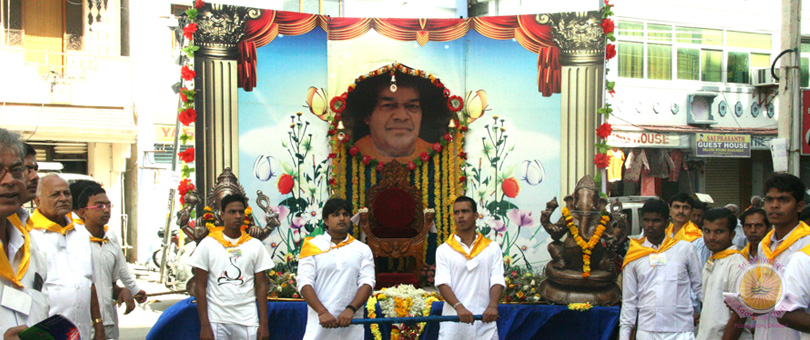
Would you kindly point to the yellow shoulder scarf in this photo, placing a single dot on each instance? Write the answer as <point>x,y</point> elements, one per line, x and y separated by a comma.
<point>5,263</point>
<point>637,250</point>
<point>723,254</point>
<point>93,238</point>
<point>217,234</point>
<point>479,245</point>
<point>320,244</point>
<point>806,250</point>
<point>746,250</point>
<point>689,232</point>
<point>798,232</point>
<point>42,222</point>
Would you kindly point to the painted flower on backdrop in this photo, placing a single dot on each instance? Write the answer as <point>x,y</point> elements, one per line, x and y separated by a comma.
<point>602,160</point>
<point>313,213</point>
<point>510,187</point>
<point>187,156</point>
<point>282,211</point>
<point>298,222</point>
<point>485,219</point>
<point>285,184</point>
<point>522,218</point>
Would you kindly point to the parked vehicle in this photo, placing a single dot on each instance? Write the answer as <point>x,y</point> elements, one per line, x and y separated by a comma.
<point>631,207</point>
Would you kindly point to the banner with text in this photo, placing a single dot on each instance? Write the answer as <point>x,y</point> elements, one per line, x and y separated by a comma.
<point>722,145</point>
<point>626,139</point>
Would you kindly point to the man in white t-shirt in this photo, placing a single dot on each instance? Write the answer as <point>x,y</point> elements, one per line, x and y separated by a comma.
<point>229,270</point>
<point>469,275</point>
<point>797,294</point>
<point>335,276</point>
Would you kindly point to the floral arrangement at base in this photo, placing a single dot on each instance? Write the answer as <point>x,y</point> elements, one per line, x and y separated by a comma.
<point>580,306</point>
<point>522,287</point>
<point>401,301</point>
<point>281,280</point>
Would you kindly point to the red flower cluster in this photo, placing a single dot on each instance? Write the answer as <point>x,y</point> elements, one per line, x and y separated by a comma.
<point>183,96</point>
<point>332,155</point>
<point>437,147</point>
<point>338,104</point>
<point>187,156</point>
<point>608,25</point>
<point>188,116</point>
<point>184,187</point>
<point>354,150</point>
<point>187,73</point>
<point>604,130</point>
<point>199,4</point>
<point>612,93</point>
<point>602,160</point>
<point>447,137</point>
<point>366,160</point>
<point>455,103</point>
<point>610,51</point>
<point>189,30</point>
<point>380,166</point>
<point>424,156</point>
<point>285,184</point>
<point>462,179</point>
<point>411,165</point>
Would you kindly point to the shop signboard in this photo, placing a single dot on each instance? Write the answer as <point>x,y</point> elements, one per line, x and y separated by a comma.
<point>805,122</point>
<point>722,145</point>
<point>627,139</point>
<point>164,134</point>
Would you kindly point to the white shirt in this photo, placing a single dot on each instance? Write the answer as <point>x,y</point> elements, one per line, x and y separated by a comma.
<point>230,291</point>
<point>797,286</point>
<point>660,295</point>
<point>471,287</point>
<point>36,268</point>
<point>767,326</point>
<point>109,266</point>
<point>70,274</point>
<point>740,241</point>
<point>721,278</point>
<point>335,275</point>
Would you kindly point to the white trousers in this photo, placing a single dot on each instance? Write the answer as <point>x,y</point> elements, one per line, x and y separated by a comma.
<point>232,331</point>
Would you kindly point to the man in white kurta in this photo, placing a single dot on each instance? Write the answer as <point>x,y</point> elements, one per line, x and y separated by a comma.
<point>797,294</point>
<point>720,273</point>
<point>658,278</point>
<point>335,276</point>
<point>68,254</point>
<point>467,275</point>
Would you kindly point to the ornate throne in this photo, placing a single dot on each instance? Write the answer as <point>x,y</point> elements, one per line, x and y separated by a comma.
<point>395,225</point>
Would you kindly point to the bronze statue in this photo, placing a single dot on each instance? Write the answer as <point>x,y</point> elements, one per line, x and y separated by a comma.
<point>568,279</point>
<point>227,184</point>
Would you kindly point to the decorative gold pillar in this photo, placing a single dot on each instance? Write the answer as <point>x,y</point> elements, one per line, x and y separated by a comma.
<point>220,28</point>
<point>582,43</point>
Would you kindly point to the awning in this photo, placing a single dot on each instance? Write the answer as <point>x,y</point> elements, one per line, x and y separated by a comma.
<point>70,123</point>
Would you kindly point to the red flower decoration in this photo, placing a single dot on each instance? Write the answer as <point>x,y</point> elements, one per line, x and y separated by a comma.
<point>183,96</point>
<point>462,155</point>
<point>344,96</point>
<point>332,181</point>
<point>612,92</point>
<point>447,137</point>
<point>610,51</point>
<point>464,128</point>
<point>331,132</point>
<point>438,83</point>
<point>455,103</point>
<point>285,184</point>
<point>346,138</point>
<point>187,73</point>
<point>188,116</point>
<point>354,150</point>
<point>411,165</point>
<point>366,160</point>
<point>437,147</point>
<point>332,155</point>
<point>424,156</point>
<point>446,92</point>
<point>337,104</point>
<point>199,4</point>
<point>607,4</point>
<point>380,166</point>
<point>602,160</point>
<point>604,130</point>
<point>187,156</point>
<point>184,187</point>
<point>608,25</point>
<point>510,187</point>
<point>462,179</point>
<point>338,117</point>
<point>189,30</point>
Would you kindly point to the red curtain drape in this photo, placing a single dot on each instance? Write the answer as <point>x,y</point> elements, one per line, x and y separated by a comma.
<point>523,28</point>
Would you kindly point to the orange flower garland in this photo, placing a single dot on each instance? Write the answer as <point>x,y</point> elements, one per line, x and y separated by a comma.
<point>587,247</point>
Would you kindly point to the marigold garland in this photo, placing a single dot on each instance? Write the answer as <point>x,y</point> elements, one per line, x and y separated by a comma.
<point>210,221</point>
<point>342,173</point>
<point>580,306</point>
<point>362,179</point>
<point>446,189</point>
<point>372,177</point>
<point>587,247</point>
<point>371,309</point>
<point>437,202</point>
<point>355,190</point>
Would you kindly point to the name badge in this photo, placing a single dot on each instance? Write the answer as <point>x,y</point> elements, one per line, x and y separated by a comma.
<point>234,253</point>
<point>710,265</point>
<point>658,259</point>
<point>472,264</point>
<point>16,300</point>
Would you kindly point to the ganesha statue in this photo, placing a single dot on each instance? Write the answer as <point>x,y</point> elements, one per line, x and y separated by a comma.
<point>226,184</point>
<point>583,266</point>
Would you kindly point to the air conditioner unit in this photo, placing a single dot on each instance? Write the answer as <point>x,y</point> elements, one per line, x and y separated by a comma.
<point>763,77</point>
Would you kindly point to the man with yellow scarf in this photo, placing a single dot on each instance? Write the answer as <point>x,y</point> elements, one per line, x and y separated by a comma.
<point>469,275</point>
<point>659,272</point>
<point>720,273</point>
<point>70,267</point>
<point>783,203</point>
<point>22,265</point>
<point>331,267</point>
<point>229,270</point>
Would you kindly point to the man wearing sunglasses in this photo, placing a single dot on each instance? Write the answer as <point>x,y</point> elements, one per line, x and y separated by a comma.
<point>22,265</point>
<point>109,264</point>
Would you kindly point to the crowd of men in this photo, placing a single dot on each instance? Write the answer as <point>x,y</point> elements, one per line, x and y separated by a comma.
<point>674,277</point>
<point>62,259</point>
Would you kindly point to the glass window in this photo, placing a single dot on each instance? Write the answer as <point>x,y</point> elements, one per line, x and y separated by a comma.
<point>711,65</point>
<point>689,63</point>
<point>630,29</point>
<point>659,62</point>
<point>737,67</point>
<point>748,40</point>
<point>631,60</point>
<point>805,47</point>
<point>805,72</point>
<point>659,32</point>
<point>759,60</point>
<point>702,36</point>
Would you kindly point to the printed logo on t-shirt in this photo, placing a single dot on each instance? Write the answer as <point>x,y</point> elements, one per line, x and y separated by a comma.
<point>233,274</point>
